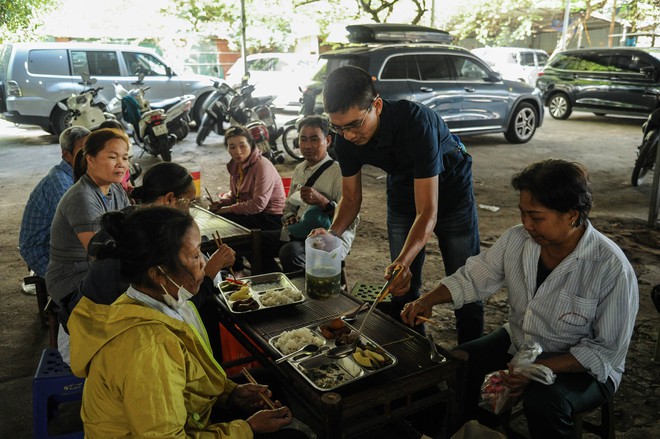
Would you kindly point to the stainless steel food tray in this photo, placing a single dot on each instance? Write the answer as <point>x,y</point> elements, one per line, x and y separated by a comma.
<point>259,285</point>
<point>348,369</point>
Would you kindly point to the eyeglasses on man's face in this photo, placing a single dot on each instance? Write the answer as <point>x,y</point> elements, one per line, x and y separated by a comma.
<point>355,125</point>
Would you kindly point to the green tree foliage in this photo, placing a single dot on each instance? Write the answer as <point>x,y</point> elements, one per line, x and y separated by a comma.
<point>496,22</point>
<point>19,18</point>
<point>270,24</point>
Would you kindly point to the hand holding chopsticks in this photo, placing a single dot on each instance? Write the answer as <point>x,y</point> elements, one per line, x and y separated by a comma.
<point>218,243</point>
<point>265,399</point>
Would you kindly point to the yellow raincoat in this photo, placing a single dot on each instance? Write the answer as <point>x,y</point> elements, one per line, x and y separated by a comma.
<point>147,374</point>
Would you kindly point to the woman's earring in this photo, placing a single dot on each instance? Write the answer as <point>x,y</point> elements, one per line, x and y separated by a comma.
<point>573,224</point>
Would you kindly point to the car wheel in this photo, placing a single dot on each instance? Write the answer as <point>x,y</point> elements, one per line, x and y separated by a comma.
<point>560,106</point>
<point>60,120</point>
<point>523,124</point>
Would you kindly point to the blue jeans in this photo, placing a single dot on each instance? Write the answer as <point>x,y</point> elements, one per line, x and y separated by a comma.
<point>457,230</point>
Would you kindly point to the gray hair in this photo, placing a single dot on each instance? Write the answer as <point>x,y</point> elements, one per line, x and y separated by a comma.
<point>71,135</point>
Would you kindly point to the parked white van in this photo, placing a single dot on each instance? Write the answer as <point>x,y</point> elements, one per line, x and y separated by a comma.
<point>34,77</point>
<point>514,63</point>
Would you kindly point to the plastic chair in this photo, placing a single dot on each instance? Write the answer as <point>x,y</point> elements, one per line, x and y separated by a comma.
<point>52,386</point>
<point>286,181</point>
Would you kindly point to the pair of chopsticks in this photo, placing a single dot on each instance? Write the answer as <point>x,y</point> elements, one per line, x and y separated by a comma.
<point>251,379</point>
<point>218,242</point>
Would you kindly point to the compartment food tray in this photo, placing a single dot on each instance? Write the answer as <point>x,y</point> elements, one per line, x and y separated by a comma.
<point>346,369</point>
<point>259,285</point>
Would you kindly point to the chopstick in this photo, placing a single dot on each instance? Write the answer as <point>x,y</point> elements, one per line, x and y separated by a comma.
<point>426,320</point>
<point>209,194</point>
<point>218,242</point>
<point>266,399</point>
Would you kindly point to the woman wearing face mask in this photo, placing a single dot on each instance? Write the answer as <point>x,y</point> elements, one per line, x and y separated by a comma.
<point>164,184</point>
<point>148,367</point>
<point>256,197</point>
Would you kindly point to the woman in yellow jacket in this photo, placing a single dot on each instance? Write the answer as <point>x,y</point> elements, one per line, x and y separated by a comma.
<point>149,369</point>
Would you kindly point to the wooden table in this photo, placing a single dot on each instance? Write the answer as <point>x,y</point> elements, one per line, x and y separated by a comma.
<point>243,241</point>
<point>413,384</point>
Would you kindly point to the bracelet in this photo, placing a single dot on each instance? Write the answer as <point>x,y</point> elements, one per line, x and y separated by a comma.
<point>333,233</point>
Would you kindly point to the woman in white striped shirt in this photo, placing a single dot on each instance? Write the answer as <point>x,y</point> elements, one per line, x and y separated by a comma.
<point>570,288</point>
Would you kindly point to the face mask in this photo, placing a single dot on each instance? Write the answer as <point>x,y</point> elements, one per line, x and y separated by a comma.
<point>184,295</point>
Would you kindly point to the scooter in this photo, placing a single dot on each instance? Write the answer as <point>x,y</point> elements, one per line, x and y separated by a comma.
<point>150,129</point>
<point>291,131</point>
<point>83,110</point>
<point>239,108</point>
<point>648,150</point>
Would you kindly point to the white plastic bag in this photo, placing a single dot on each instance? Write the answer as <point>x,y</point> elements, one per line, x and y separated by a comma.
<point>495,395</point>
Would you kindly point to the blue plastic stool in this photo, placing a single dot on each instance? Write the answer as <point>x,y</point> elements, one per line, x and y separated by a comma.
<point>53,384</point>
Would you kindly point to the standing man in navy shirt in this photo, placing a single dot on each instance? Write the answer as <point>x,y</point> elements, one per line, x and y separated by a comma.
<point>429,183</point>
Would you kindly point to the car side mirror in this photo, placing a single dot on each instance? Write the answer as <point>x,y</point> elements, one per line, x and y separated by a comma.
<point>651,72</point>
<point>494,77</point>
<point>168,71</point>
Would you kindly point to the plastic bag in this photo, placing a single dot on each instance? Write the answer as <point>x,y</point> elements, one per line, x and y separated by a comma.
<point>495,395</point>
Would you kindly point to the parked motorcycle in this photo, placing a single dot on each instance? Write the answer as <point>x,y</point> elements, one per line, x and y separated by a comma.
<point>648,150</point>
<point>83,110</point>
<point>150,129</point>
<point>291,130</point>
<point>238,107</point>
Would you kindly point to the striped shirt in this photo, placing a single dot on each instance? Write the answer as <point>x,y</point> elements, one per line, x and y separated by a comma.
<point>587,306</point>
<point>329,183</point>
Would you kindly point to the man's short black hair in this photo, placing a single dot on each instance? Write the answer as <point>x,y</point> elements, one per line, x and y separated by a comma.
<point>348,87</point>
<point>315,122</point>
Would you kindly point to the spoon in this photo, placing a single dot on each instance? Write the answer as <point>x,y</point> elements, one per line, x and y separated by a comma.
<point>352,315</point>
<point>308,349</point>
<point>436,357</point>
<point>348,349</point>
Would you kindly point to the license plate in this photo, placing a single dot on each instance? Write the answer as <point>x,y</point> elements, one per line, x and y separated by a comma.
<point>159,130</point>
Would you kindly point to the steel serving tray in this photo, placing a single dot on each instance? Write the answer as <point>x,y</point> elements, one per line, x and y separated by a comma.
<point>327,374</point>
<point>261,286</point>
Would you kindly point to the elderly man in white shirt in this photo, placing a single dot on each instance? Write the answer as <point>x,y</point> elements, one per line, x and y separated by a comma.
<point>316,188</point>
<point>570,289</point>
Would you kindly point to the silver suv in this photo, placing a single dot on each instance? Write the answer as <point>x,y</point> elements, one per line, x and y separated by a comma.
<point>34,77</point>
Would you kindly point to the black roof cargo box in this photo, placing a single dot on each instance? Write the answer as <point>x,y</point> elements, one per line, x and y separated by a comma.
<point>396,33</point>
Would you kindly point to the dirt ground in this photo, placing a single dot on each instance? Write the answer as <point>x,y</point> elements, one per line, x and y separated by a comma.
<point>605,145</point>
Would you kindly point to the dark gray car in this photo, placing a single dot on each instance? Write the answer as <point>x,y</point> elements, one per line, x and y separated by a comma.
<point>618,80</point>
<point>460,87</point>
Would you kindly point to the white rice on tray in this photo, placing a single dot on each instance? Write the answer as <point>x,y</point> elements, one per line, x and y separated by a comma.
<point>291,341</point>
<point>280,297</point>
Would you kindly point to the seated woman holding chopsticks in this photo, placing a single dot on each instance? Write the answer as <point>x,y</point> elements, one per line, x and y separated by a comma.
<point>148,366</point>
<point>256,197</point>
<point>164,184</point>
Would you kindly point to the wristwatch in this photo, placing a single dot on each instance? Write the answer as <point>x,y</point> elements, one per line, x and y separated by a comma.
<point>330,206</point>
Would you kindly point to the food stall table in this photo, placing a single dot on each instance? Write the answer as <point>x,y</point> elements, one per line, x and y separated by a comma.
<point>243,241</point>
<point>413,384</point>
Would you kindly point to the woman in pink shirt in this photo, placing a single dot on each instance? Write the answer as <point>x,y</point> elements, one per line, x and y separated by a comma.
<point>256,197</point>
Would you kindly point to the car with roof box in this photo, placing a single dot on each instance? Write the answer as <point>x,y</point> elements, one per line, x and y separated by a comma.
<point>416,63</point>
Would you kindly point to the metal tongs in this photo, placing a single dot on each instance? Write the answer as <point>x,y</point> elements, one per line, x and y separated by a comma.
<point>347,349</point>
